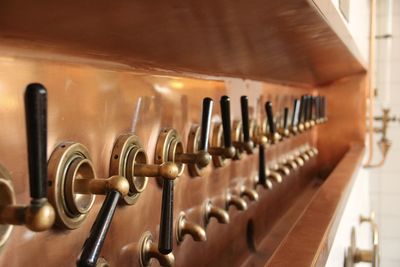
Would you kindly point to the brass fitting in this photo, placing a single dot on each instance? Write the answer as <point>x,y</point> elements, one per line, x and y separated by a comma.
<point>148,250</point>
<point>211,211</point>
<point>236,201</point>
<point>186,227</point>
<point>251,194</point>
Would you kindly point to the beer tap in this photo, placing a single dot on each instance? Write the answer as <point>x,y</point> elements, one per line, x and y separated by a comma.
<point>277,169</point>
<point>186,227</point>
<point>130,160</point>
<point>295,117</point>
<point>261,178</point>
<point>39,215</point>
<point>197,156</point>
<point>221,143</point>
<point>247,144</point>
<point>284,130</point>
<point>302,108</point>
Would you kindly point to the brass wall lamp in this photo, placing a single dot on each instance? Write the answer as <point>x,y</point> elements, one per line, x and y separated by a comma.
<point>221,147</point>
<point>186,227</point>
<point>39,215</point>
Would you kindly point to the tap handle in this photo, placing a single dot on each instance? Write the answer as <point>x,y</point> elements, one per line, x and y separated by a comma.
<point>317,107</point>
<point>261,165</point>
<point>36,129</point>
<point>285,117</point>
<point>244,104</point>
<point>167,217</point>
<point>323,106</point>
<point>302,108</point>
<point>296,111</point>
<point>205,123</point>
<point>92,247</point>
<point>270,117</point>
<point>226,120</point>
<point>311,107</point>
<point>305,108</point>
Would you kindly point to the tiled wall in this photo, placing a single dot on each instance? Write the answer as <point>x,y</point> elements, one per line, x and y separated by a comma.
<point>385,181</point>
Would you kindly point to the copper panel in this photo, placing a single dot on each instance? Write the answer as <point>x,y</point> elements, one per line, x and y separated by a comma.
<point>287,41</point>
<point>94,105</point>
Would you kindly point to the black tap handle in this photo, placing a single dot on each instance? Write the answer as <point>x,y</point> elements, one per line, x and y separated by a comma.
<point>302,108</point>
<point>261,165</point>
<point>226,120</point>
<point>296,110</point>
<point>92,247</point>
<point>306,108</point>
<point>36,129</point>
<point>205,123</point>
<point>270,117</point>
<point>285,117</point>
<point>323,107</point>
<point>311,107</point>
<point>244,104</point>
<point>167,218</point>
<point>317,107</point>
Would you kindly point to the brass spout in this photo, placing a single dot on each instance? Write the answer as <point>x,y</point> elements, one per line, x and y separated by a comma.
<point>281,169</point>
<point>149,250</point>
<point>236,201</point>
<point>184,227</point>
<point>212,211</point>
<point>249,193</point>
<point>274,176</point>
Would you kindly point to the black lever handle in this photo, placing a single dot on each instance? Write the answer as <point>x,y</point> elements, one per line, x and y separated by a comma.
<point>317,108</point>
<point>226,120</point>
<point>167,218</point>
<point>262,179</point>
<point>302,108</point>
<point>270,117</point>
<point>244,104</point>
<point>323,107</point>
<point>36,128</point>
<point>92,247</point>
<point>296,111</point>
<point>205,123</point>
<point>306,108</point>
<point>285,117</point>
<point>311,107</point>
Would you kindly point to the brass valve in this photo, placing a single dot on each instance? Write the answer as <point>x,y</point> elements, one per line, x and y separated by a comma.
<point>280,168</point>
<point>273,175</point>
<point>39,215</point>
<point>221,147</point>
<point>185,227</point>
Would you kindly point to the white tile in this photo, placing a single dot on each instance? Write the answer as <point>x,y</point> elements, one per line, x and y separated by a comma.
<point>390,248</point>
<point>389,263</point>
<point>389,227</point>
<point>389,205</point>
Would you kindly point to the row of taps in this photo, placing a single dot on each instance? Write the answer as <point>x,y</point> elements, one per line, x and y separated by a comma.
<point>63,187</point>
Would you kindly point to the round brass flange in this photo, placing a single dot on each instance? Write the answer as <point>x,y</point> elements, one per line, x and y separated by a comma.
<point>192,148</point>
<point>169,145</point>
<point>126,152</point>
<point>237,139</point>
<point>7,197</point>
<point>68,161</point>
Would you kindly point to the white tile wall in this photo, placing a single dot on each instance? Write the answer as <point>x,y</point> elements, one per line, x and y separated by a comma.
<point>385,182</point>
